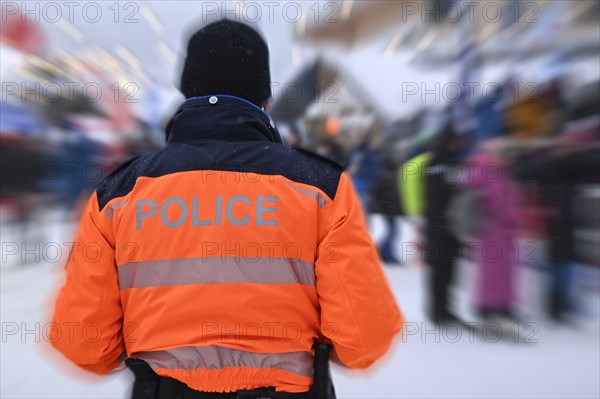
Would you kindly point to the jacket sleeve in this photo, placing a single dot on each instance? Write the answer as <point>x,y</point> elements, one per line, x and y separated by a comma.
<point>87,321</point>
<point>359,314</point>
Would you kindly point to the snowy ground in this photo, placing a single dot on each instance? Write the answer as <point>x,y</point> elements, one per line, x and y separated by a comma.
<point>548,361</point>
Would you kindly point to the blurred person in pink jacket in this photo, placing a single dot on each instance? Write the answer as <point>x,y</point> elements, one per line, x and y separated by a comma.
<point>489,176</point>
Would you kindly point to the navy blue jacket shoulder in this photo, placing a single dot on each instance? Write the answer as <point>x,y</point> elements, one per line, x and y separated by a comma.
<point>229,135</point>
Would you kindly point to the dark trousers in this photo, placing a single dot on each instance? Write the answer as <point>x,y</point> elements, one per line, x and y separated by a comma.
<point>387,245</point>
<point>442,253</point>
<point>560,297</point>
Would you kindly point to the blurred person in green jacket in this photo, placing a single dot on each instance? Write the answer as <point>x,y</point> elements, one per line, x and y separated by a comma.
<point>412,180</point>
<point>411,187</point>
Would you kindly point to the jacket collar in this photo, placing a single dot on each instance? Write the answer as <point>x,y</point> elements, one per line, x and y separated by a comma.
<point>220,117</point>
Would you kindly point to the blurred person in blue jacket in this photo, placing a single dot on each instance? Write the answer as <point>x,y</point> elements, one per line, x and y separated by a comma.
<point>364,168</point>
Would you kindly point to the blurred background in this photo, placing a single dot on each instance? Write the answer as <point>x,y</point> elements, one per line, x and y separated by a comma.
<point>470,128</point>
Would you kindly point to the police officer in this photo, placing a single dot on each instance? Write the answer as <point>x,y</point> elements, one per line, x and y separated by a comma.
<point>214,264</point>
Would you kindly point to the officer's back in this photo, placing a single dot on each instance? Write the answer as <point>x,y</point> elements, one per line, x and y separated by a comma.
<point>220,259</point>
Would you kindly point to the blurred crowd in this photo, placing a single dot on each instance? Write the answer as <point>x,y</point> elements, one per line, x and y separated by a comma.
<point>59,142</point>
<point>66,122</point>
<point>517,185</point>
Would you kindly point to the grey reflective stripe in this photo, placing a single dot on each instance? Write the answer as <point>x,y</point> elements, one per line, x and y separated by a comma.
<point>218,357</point>
<point>110,211</point>
<point>321,201</point>
<point>215,270</point>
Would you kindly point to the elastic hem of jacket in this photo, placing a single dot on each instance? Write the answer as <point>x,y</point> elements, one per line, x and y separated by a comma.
<point>234,384</point>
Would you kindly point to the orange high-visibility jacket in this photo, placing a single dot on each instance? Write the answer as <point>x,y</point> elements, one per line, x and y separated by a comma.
<point>221,258</point>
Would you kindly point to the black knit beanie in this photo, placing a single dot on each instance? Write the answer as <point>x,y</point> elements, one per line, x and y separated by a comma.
<point>227,57</point>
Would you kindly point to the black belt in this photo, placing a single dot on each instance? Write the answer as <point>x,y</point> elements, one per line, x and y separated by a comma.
<point>149,385</point>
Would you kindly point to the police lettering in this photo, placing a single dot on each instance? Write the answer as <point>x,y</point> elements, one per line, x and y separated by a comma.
<point>237,210</point>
